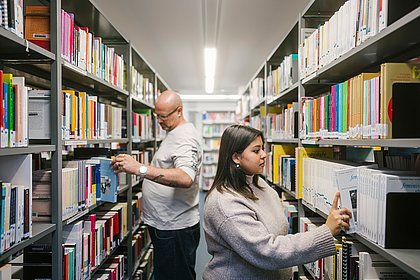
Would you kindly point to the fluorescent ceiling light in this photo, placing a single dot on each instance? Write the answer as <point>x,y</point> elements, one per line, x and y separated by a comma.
<point>210,55</point>
<point>209,97</point>
<point>209,84</point>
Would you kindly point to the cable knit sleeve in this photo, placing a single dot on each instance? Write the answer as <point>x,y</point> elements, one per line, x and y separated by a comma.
<point>248,236</point>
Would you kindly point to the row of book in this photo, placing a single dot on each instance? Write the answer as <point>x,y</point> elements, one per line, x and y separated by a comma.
<point>11,16</point>
<point>145,270</point>
<point>282,77</point>
<point>15,214</point>
<point>352,24</point>
<point>88,243</point>
<point>210,158</point>
<point>282,170</point>
<point>352,261</point>
<point>209,170</point>
<point>256,121</point>
<point>13,111</point>
<point>83,117</point>
<point>79,46</point>
<point>142,125</point>
<point>82,48</point>
<point>370,105</point>
<point>282,121</point>
<point>371,194</point>
<point>141,87</point>
<point>85,183</point>
<point>256,91</point>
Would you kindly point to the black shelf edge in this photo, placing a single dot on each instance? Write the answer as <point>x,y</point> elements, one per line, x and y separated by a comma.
<point>96,268</point>
<point>406,259</point>
<point>138,103</point>
<point>93,141</point>
<point>90,81</point>
<point>140,141</point>
<point>397,143</point>
<point>275,140</point>
<point>212,136</point>
<point>289,192</point>
<point>139,260</point>
<point>31,149</point>
<point>315,210</point>
<point>123,188</point>
<point>39,230</point>
<point>287,95</point>
<point>82,213</point>
<point>19,48</point>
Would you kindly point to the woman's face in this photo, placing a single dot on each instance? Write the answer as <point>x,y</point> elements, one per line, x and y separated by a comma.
<point>252,159</point>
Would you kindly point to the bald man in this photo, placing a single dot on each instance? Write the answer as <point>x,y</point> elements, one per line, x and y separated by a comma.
<point>170,191</point>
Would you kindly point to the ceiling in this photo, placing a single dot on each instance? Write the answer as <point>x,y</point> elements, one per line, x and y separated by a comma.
<point>171,36</point>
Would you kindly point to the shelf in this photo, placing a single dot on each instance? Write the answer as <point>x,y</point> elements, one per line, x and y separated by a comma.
<point>139,260</point>
<point>97,141</point>
<point>31,149</point>
<point>406,259</point>
<point>210,150</point>
<point>291,193</point>
<point>395,39</point>
<point>86,14</point>
<point>286,96</point>
<point>138,103</point>
<point>95,269</point>
<point>81,213</point>
<point>123,188</point>
<point>399,143</point>
<point>13,47</point>
<point>140,141</point>
<point>317,211</point>
<point>209,163</point>
<point>39,230</point>
<point>73,74</point>
<point>274,140</point>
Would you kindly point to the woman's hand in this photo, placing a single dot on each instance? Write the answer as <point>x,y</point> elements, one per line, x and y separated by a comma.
<point>126,163</point>
<point>338,219</point>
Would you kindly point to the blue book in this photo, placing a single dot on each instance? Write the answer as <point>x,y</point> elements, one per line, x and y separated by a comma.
<point>109,181</point>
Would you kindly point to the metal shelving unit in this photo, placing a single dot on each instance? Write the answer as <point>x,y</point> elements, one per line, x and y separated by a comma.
<point>47,69</point>
<point>395,43</point>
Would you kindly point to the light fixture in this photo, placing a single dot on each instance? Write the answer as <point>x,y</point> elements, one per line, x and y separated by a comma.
<point>209,84</point>
<point>210,55</point>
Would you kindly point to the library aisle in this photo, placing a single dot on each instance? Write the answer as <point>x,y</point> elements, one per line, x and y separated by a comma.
<point>203,256</point>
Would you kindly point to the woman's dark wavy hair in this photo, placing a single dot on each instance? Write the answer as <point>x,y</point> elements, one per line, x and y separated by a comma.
<point>235,139</point>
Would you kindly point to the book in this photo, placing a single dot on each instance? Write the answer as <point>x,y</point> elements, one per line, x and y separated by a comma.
<point>37,25</point>
<point>304,152</point>
<point>109,181</point>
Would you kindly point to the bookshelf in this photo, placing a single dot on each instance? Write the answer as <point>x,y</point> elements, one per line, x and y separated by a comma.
<point>391,43</point>
<point>48,69</point>
<point>213,124</point>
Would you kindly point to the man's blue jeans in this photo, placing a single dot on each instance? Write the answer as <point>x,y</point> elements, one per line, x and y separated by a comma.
<point>174,252</point>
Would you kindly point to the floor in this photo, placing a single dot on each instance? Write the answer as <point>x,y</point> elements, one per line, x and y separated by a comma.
<point>202,256</point>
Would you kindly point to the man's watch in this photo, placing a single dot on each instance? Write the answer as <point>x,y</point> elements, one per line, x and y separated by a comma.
<point>142,171</point>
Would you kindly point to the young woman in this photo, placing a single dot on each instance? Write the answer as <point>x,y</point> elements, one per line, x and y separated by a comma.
<point>244,223</point>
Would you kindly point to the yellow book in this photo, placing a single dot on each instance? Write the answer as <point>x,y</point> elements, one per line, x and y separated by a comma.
<point>390,74</point>
<point>73,113</point>
<point>305,152</point>
<point>279,150</point>
<point>357,100</point>
<point>83,113</point>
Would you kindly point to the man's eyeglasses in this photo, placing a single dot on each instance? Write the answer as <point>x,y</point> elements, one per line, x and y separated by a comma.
<point>165,117</point>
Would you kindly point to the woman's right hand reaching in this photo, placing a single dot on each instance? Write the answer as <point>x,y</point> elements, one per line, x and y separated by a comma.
<point>338,219</point>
